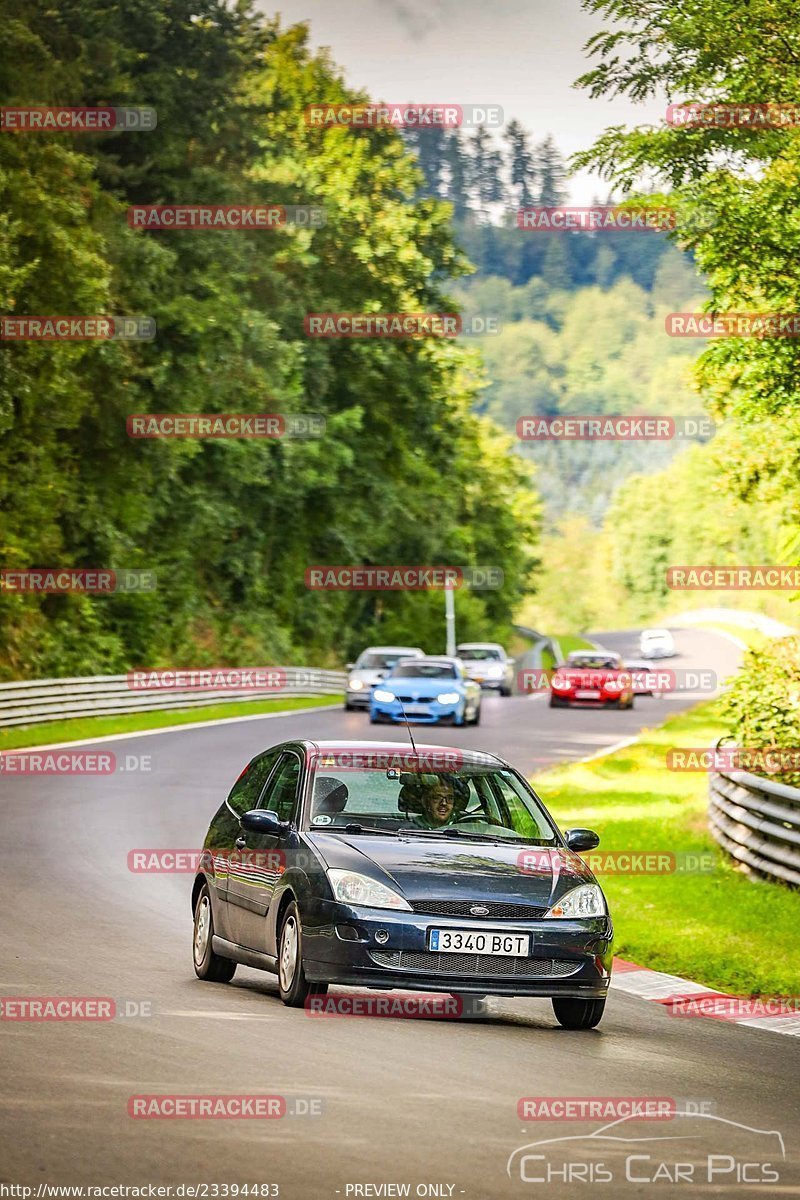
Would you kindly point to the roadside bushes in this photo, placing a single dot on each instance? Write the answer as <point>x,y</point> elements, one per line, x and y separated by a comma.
<point>763,705</point>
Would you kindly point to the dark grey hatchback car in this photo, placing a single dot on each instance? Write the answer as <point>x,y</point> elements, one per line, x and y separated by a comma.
<point>372,865</point>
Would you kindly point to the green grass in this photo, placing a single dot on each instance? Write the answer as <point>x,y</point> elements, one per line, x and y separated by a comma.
<point>721,928</point>
<point>81,728</point>
<point>571,641</point>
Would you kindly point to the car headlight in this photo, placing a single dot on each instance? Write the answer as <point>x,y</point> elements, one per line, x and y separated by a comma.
<point>351,888</point>
<point>584,901</point>
<point>613,685</point>
<point>495,672</point>
<point>448,697</point>
<point>355,685</point>
<point>382,696</point>
<point>559,684</point>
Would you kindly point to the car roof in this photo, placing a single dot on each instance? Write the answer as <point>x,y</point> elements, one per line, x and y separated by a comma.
<point>480,756</point>
<point>479,645</point>
<point>414,651</point>
<point>654,632</point>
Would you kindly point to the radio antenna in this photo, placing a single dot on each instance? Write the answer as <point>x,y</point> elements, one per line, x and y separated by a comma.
<point>408,727</point>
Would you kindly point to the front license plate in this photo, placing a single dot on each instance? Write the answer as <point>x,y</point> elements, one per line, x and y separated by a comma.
<point>587,695</point>
<point>468,941</point>
<point>417,712</point>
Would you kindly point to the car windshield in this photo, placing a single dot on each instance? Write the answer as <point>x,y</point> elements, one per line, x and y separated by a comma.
<point>477,802</point>
<point>655,635</point>
<point>479,653</point>
<point>593,662</point>
<point>424,670</point>
<point>379,661</point>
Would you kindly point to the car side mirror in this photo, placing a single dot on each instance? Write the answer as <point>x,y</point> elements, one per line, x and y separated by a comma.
<point>581,839</point>
<point>350,667</point>
<point>262,820</point>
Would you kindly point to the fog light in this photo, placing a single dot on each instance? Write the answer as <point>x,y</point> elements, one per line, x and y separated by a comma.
<point>382,936</point>
<point>346,933</point>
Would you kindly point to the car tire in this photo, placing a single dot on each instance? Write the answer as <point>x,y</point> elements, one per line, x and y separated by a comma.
<point>208,965</point>
<point>373,720</point>
<point>578,1014</point>
<point>476,720</point>
<point>292,983</point>
<point>554,703</point>
<point>505,691</point>
<point>349,707</point>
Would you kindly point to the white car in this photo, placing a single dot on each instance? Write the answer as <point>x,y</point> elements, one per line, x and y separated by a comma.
<point>369,668</point>
<point>487,664</point>
<point>656,643</point>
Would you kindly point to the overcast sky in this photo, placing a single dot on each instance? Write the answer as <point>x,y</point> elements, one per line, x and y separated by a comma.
<point>521,54</point>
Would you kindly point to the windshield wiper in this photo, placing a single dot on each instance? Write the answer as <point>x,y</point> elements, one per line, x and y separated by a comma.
<point>450,832</point>
<point>356,827</point>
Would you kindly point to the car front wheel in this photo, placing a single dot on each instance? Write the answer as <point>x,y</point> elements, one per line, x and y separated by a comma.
<point>207,964</point>
<point>292,982</point>
<point>578,1014</point>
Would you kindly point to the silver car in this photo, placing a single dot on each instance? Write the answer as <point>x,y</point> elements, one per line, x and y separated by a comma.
<point>487,664</point>
<point>370,668</point>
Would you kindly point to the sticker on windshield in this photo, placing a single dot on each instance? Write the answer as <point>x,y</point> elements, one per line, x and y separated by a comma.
<point>321,819</point>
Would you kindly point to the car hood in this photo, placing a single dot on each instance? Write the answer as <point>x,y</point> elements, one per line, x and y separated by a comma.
<point>426,868</point>
<point>367,675</point>
<point>421,688</point>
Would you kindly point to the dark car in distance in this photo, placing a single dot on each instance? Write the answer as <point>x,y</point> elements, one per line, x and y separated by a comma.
<point>433,869</point>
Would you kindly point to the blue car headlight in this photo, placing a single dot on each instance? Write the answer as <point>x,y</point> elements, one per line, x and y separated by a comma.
<point>448,697</point>
<point>382,696</point>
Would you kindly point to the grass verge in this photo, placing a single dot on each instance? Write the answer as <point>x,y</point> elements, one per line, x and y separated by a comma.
<point>719,927</point>
<point>81,728</point>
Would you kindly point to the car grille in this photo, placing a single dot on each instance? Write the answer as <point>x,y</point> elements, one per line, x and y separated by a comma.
<point>414,699</point>
<point>474,964</point>
<point>461,908</point>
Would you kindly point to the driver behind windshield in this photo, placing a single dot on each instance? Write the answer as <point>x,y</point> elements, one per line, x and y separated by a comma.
<point>435,802</point>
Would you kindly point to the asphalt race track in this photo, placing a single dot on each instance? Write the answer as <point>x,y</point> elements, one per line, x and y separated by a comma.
<point>417,1102</point>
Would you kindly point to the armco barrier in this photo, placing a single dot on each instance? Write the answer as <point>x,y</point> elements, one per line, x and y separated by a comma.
<point>106,695</point>
<point>757,822</point>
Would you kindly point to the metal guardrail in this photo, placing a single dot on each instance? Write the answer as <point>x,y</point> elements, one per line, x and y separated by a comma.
<point>29,703</point>
<point>757,822</point>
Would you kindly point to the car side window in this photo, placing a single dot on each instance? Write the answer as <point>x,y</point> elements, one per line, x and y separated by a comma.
<point>248,787</point>
<point>281,795</point>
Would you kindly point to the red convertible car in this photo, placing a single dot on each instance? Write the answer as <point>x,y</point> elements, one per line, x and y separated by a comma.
<point>590,677</point>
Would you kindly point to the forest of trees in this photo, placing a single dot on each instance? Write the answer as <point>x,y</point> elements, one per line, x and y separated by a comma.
<point>486,179</point>
<point>736,499</point>
<point>406,472</point>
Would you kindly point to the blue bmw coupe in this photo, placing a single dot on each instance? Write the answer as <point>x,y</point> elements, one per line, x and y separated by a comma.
<point>427,691</point>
